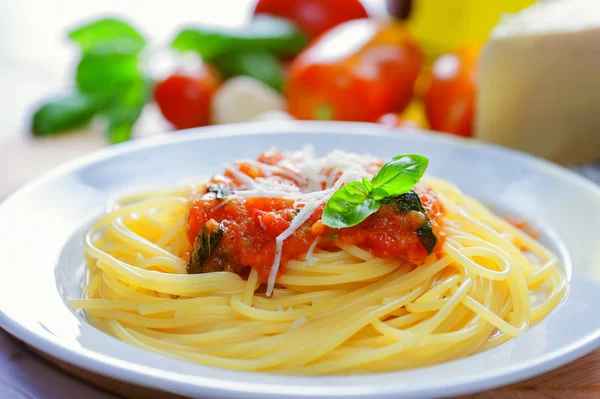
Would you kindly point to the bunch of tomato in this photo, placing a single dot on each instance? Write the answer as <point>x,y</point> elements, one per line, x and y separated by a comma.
<point>354,68</point>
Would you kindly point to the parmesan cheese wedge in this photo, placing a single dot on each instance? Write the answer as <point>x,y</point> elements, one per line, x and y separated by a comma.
<point>539,82</point>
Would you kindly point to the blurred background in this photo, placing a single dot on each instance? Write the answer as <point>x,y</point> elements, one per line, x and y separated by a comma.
<point>79,75</point>
<point>37,60</point>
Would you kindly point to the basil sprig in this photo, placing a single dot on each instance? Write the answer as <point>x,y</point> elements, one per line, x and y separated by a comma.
<point>355,201</point>
<point>253,50</point>
<point>265,33</point>
<point>109,83</point>
<point>112,82</point>
<point>105,31</point>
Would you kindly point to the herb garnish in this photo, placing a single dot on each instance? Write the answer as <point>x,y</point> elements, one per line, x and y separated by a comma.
<point>355,201</point>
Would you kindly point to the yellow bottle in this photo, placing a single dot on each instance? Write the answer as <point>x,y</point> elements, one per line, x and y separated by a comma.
<point>442,25</point>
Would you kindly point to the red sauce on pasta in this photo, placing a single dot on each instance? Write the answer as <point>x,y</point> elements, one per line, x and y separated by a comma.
<point>250,227</point>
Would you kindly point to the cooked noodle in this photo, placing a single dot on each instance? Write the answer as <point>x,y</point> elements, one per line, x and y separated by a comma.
<point>337,311</point>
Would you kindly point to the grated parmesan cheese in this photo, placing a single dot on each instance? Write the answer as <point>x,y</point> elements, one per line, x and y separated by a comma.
<point>298,221</point>
<point>317,178</point>
<point>223,202</point>
<point>244,178</point>
<point>280,169</point>
<point>270,188</point>
<point>310,260</point>
<point>262,225</point>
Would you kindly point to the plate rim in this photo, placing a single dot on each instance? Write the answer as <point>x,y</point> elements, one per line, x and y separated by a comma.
<point>123,370</point>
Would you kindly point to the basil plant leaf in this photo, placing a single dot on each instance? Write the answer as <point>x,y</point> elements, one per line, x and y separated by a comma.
<point>264,33</point>
<point>66,113</point>
<point>125,109</point>
<point>349,206</point>
<point>107,67</point>
<point>398,175</point>
<point>259,65</point>
<point>106,30</point>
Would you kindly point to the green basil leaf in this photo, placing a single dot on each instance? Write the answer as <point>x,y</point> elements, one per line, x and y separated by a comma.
<point>264,34</point>
<point>108,66</point>
<point>262,66</point>
<point>410,202</point>
<point>349,206</point>
<point>205,243</point>
<point>125,109</point>
<point>106,30</point>
<point>66,113</point>
<point>399,175</point>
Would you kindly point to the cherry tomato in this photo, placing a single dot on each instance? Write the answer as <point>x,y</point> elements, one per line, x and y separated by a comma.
<point>450,99</point>
<point>184,98</point>
<point>357,71</point>
<point>313,17</point>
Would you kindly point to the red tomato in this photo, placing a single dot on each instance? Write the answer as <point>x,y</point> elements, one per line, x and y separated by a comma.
<point>184,98</point>
<point>450,99</point>
<point>313,16</point>
<point>357,71</point>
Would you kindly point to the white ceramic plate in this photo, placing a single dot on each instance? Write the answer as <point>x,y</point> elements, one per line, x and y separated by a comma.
<point>40,247</point>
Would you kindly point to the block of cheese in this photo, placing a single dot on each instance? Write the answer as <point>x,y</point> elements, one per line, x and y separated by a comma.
<point>539,82</point>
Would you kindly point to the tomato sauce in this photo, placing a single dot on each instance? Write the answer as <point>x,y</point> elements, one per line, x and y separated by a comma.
<point>387,233</point>
<point>250,227</point>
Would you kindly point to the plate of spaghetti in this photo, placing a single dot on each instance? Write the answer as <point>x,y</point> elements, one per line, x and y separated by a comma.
<point>306,260</point>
